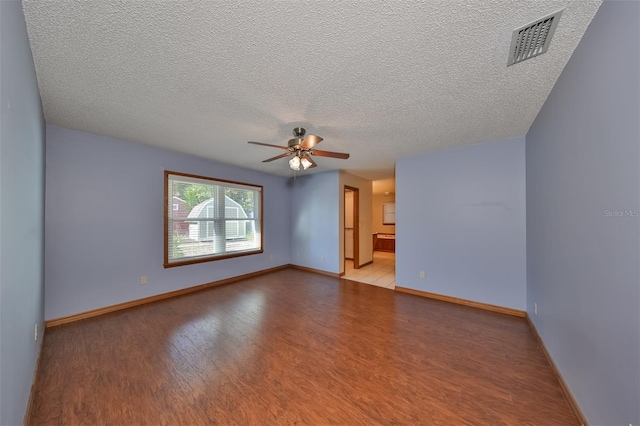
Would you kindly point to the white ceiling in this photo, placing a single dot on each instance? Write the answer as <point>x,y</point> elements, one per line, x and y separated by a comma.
<point>376,79</point>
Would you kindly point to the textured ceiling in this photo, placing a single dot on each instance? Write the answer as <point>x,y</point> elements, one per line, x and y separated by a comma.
<point>376,79</point>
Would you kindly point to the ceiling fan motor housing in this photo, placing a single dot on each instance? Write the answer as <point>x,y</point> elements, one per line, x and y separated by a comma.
<point>294,142</point>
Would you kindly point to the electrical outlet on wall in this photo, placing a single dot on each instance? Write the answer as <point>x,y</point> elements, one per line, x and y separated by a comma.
<point>535,308</point>
<point>143,279</point>
<point>35,333</point>
<point>422,274</point>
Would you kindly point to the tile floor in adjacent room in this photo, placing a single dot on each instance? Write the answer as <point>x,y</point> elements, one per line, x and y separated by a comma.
<point>381,273</point>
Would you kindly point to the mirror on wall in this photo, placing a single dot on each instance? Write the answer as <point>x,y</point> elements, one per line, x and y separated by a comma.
<point>388,213</point>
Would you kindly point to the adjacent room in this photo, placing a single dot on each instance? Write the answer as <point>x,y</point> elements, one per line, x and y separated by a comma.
<point>219,212</point>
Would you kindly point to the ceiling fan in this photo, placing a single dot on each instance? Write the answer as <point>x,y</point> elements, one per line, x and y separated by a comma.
<point>302,148</point>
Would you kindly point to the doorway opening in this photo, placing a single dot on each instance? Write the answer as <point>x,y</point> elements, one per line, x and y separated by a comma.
<point>351,226</point>
<point>381,271</point>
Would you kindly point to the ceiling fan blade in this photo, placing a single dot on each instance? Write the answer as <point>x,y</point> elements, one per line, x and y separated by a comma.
<point>310,141</point>
<point>268,144</point>
<point>313,163</point>
<point>330,154</point>
<point>277,156</point>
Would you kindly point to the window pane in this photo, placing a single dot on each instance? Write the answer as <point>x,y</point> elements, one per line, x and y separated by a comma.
<point>209,218</point>
<point>242,235</point>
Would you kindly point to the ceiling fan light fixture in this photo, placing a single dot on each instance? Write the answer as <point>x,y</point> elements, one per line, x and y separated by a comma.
<point>294,163</point>
<point>305,163</point>
<point>301,149</point>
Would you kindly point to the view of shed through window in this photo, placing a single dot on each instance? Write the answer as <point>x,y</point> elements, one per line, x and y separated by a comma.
<point>209,219</point>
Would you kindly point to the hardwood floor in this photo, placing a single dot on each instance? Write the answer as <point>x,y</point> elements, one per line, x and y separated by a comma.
<point>293,347</point>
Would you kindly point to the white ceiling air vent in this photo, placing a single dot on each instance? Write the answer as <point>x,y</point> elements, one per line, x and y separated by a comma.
<point>532,39</point>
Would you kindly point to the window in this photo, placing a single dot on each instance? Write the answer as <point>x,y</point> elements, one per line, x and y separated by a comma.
<point>215,219</point>
<point>388,213</point>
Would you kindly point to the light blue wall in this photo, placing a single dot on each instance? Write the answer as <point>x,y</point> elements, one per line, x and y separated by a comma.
<point>104,222</point>
<point>583,159</point>
<point>315,214</point>
<point>461,219</point>
<point>21,217</point>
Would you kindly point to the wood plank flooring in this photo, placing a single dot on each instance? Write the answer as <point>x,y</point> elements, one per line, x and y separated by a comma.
<point>293,347</point>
